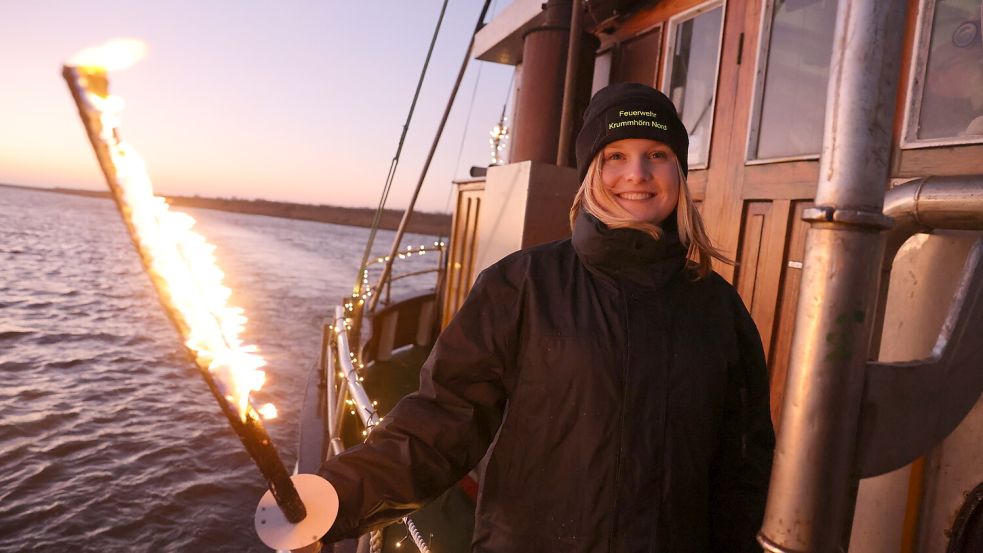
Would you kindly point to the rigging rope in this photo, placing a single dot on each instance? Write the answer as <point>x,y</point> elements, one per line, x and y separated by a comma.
<point>387,270</point>
<point>457,163</point>
<point>467,124</point>
<point>395,161</point>
<point>467,119</point>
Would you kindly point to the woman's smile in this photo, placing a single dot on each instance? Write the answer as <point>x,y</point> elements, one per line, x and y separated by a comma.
<point>635,195</point>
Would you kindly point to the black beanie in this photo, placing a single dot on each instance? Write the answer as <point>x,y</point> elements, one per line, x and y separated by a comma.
<point>630,110</point>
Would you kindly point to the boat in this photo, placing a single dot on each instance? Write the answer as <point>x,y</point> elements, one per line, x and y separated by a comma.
<point>836,153</point>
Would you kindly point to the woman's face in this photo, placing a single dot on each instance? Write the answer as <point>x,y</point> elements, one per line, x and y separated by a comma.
<point>642,176</point>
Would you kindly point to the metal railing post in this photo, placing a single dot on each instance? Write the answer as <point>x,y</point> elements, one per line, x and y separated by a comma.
<point>809,502</point>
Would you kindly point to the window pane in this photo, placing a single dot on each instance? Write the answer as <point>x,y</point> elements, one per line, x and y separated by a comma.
<point>602,72</point>
<point>693,78</point>
<point>952,100</point>
<point>796,76</point>
<point>639,58</point>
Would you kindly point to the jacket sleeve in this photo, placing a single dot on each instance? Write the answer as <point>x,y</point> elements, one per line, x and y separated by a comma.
<point>434,436</point>
<point>742,463</point>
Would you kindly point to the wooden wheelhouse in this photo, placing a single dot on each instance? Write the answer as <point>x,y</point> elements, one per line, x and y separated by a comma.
<point>750,79</point>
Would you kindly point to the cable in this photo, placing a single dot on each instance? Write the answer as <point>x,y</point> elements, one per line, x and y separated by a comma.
<point>395,161</point>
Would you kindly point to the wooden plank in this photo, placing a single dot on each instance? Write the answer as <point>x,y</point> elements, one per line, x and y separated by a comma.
<point>787,180</point>
<point>613,32</point>
<point>769,272</point>
<point>697,183</point>
<point>754,223</point>
<point>638,59</point>
<point>460,260</point>
<point>944,160</point>
<point>788,297</point>
<point>778,191</point>
<point>762,252</point>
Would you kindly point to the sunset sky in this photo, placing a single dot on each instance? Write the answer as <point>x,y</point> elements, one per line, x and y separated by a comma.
<point>293,100</point>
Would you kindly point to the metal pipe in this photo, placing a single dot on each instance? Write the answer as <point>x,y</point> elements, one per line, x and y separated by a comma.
<point>387,270</point>
<point>570,84</point>
<point>538,108</point>
<point>809,504</point>
<point>337,446</point>
<point>363,405</point>
<point>329,376</point>
<point>249,428</point>
<point>923,205</point>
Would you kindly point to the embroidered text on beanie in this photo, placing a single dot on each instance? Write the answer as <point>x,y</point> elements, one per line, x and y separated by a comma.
<point>629,110</point>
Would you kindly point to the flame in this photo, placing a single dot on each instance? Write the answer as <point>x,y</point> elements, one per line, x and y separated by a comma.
<point>113,55</point>
<point>180,261</point>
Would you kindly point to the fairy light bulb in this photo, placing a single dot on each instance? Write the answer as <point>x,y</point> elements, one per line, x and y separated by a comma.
<point>499,135</point>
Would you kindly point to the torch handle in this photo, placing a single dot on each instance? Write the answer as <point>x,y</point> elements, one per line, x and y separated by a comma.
<point>271,466</point>
<point>260,447</point>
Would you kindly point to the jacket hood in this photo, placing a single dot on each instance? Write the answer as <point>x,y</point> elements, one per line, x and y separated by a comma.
<point>628,253</point>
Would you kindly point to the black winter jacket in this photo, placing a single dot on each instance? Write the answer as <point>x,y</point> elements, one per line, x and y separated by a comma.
<point>624,405</point>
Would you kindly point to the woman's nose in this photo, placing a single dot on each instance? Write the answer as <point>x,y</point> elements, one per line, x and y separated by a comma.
<point>639,170</point>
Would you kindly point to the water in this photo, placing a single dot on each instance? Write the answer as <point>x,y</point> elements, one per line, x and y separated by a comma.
<point>109,439</point>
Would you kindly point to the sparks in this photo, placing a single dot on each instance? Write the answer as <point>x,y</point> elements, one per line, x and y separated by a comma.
<point>268,411</point>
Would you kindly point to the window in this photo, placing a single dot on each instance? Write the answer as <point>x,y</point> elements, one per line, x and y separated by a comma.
<point>690,76</point>
<point>946,92</point>
<point>792,76</point>
<point>638,58</point>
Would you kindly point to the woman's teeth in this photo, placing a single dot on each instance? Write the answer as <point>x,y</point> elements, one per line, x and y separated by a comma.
<point>635,195</point>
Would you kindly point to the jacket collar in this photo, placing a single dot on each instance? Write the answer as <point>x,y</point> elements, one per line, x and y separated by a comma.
<point>628,253</point>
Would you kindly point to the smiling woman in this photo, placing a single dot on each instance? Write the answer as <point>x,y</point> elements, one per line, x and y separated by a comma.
<point>633,166</point>
<point>616,391</point>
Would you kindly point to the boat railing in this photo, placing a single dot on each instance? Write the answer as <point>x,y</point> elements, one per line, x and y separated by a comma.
<point>344,389</point>
<point>352,395</point>
<point>348,343</point>
<point>383,287</point>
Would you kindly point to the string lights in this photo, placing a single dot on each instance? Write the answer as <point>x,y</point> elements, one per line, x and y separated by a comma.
<point>349,316</point>
<point>365,290</point>
<point>499,137</point>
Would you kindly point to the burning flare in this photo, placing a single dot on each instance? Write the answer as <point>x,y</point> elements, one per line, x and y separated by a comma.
<point>180,261</point>
<point>114,55</point>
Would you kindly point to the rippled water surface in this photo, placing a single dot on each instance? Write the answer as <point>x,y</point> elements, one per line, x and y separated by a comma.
<point>109,439</point>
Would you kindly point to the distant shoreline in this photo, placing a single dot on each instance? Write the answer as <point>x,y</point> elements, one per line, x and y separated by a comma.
<point>434,224</point>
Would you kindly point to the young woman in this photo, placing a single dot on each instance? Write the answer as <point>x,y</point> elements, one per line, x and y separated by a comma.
<point>616,384</point>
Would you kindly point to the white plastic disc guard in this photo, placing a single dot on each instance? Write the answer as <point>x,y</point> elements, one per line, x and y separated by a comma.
<point>321,501</point>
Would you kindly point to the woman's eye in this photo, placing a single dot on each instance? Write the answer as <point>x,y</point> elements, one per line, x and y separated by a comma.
<point>658,155</point>
<point>614,156</point>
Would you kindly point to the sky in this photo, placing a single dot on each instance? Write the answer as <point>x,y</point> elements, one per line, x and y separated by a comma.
<point>298,101</point>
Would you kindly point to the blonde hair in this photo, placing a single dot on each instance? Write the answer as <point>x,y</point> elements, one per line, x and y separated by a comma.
<point>596,199</point>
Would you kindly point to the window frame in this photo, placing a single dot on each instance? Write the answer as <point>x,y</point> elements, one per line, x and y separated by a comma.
<point>669,50</point>
<point>916,83</point>
<point>758,94</point>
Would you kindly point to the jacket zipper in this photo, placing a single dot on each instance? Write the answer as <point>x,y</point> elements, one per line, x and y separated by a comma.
<point>621,417</point>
